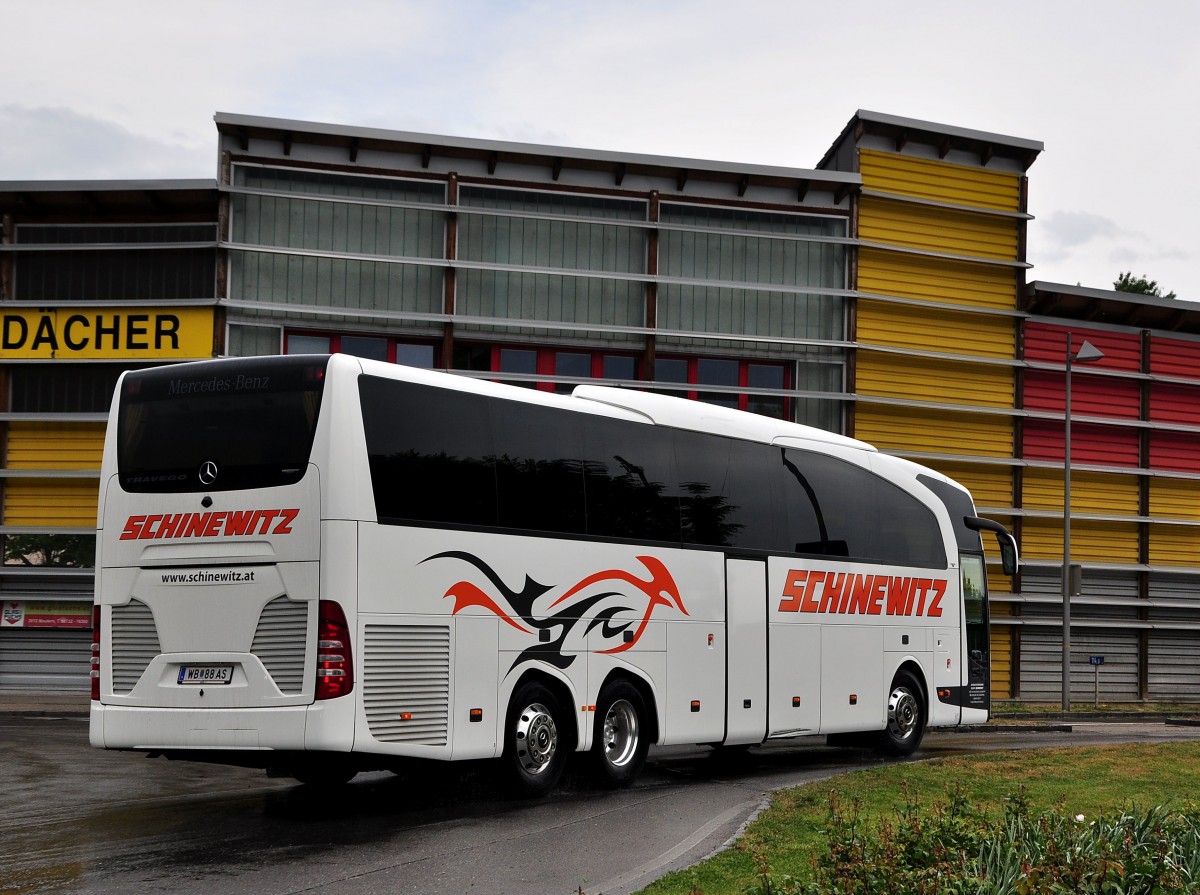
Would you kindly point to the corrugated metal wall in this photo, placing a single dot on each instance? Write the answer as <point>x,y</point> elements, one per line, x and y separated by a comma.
<point>1174,545</point>
<point>955,353</point>
<point>936,329</point>
<point>37,659</point>
<point>1174,671</point>
<point>933,380</point>
<point>1091,541</point>
<point>1147,518</point>
<point>911,429</point>
<point>44,445</point>
<point>49,501</point>
<point>937,229</point>
<point>1041,665</point>
<point>939,181</point>
<point>935,279</point>
<point>991,486</point>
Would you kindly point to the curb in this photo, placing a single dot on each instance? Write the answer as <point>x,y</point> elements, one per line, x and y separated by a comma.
<point>1005,728</point>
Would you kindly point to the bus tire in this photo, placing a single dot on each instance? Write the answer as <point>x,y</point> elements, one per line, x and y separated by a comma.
<point>905,716</point>
<point>621,740</point>
<point>535,752</point>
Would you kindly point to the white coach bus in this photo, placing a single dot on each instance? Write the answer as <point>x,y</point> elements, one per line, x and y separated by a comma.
<point>321,565</point>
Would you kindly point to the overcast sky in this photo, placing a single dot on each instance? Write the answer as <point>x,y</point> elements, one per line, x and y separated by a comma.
<point>128,89</point>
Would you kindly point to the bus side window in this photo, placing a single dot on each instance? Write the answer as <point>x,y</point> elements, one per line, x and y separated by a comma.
<point>629,475</point>
<point>840,509</point>
<point>725,493</point>
<point>430,453</point>
<point>539,476</point>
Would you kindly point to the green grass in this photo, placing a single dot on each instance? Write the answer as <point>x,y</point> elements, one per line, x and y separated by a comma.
<point>786,839</point>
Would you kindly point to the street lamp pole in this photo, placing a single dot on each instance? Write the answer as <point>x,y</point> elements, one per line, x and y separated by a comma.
<point>1087,353</point>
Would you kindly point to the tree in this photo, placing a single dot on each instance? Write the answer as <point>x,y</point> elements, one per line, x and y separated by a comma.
<point>1127,282</point>
<point>71,551</point>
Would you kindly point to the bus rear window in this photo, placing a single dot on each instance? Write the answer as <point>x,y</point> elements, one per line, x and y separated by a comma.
<point>218,425</point>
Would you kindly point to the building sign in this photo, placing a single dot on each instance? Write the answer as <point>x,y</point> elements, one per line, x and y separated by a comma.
<point>45,614</point>
<point>94,333</point>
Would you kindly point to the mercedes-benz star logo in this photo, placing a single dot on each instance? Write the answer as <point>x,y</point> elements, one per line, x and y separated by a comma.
<point>208,472</point>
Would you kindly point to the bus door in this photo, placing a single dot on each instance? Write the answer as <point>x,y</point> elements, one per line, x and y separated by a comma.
<point>746,657</point>
<point>978,645</point>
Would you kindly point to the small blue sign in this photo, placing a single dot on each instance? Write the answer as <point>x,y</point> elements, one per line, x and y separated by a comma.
<point>1096,660</point>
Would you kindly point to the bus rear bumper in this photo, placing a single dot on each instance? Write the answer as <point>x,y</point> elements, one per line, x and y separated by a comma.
<point>161,730</point>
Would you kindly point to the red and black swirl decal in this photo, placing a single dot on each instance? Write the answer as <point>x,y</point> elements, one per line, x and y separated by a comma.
<point>618,602</point>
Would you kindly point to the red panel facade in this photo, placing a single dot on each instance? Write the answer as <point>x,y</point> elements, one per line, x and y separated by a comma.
<point>1091,444</point>
<point>1175,451</point>
<point>1171,403</point>
<point>1090,395</point>
<point>1175,357</point>
<point>1046,343</point>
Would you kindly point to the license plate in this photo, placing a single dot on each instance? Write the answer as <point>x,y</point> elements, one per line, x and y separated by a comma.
<point>205,674</point>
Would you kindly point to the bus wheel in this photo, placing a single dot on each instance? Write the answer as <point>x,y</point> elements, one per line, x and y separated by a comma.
<point>533,752</point>
<point>620,743</point>
<point>905,716</point>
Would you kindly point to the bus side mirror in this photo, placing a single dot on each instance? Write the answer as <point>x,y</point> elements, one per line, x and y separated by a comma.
<point>1008,544</point>
<point>1008,553</point>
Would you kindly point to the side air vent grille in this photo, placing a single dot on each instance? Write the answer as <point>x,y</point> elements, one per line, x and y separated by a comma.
<point>406,683</point>
<point>134,644</point>
<point>281,641</point>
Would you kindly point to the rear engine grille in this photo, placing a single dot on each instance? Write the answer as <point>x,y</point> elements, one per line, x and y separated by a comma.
<point>406,683</point>
<point>134,644</point>
<point>280,642</point>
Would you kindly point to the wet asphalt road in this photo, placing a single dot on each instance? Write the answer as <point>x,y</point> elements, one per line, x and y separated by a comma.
<point>75,819</point>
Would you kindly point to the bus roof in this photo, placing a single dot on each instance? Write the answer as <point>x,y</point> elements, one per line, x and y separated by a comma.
<point>680,413</point>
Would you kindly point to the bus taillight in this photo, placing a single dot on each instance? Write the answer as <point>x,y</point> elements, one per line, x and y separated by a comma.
<point>335,670</point>
<point>95,672</point>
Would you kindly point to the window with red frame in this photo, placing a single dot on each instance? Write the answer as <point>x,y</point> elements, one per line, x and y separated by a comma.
<point>546,369</point>
<point>560,369</point>
<point>739,380</point>
<point>411,354</point>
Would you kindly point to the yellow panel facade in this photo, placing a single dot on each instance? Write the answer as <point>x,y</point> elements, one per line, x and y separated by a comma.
<point>1098,542</point>
<point>935,432</point>
<point>1174,545</point>
<point>48,445</point>
<point>1098,493</point>
<point>937,229</point>
<point>50,503</point>
<point>990,485</point>
<point>939,181</point>
<point>998,582</point>
<point>928,379</point>
<point>1175,498</point>
<point>936,279</point>
<point>1001,647</point>
<point>934,329</point>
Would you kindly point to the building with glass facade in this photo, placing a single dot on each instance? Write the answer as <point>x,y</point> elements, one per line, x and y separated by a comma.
<point>882,294</point>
